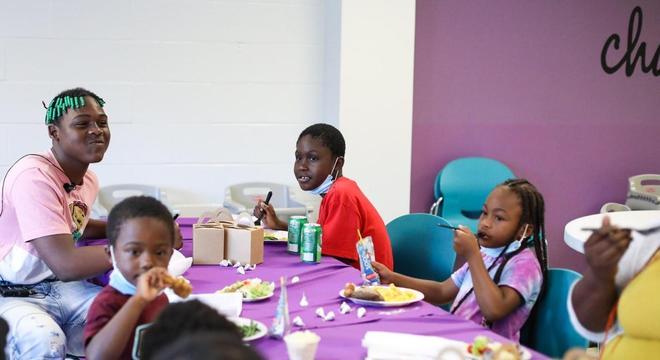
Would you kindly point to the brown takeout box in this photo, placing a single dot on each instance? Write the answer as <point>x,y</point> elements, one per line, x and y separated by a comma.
<point>208,243</point>
<point>221,238</point>
<point>244,243</point>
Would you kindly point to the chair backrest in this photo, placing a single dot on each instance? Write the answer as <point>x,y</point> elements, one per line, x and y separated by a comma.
<point>243,197</point>
<point>420,247</point>
<point>548,329</point>
<point>464,184</point>
<point>110,195</point>
<point>247,194</point>
<point>613,207</point>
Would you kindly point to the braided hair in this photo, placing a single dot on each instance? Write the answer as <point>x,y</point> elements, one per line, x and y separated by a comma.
<point>68,99</point>
<point>533,210</point>
<point>533,213</point>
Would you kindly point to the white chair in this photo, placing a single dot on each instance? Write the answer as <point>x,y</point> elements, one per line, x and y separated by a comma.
<point>613,207</point>
<point>193,209</point>
<point>110,195</point>
<point>243,197</point>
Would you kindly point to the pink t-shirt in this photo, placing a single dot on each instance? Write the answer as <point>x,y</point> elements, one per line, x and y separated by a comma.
<point>35,205</point>
<point>522,273</point>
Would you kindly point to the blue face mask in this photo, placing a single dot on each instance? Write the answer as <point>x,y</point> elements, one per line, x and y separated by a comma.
<point>327,183</point>
<point>117,279</point>
<point>513,246</point>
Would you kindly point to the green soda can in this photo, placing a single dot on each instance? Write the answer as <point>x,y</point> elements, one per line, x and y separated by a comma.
<point>296,224</point>
<point>310,245</point>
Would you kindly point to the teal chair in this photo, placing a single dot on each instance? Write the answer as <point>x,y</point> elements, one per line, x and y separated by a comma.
<point>462,186</point>
<point>548,329</point>
<point>420,247</point>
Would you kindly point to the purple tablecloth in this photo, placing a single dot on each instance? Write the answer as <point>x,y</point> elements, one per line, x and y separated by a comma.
<point>321,284</point>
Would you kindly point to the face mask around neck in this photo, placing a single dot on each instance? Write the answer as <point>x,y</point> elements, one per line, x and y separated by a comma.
<point>327,183</point>
<point>117,279</point>
<point>513,246</point>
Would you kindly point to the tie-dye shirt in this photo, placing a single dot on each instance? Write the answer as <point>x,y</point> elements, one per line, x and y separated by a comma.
<point>521,273</point>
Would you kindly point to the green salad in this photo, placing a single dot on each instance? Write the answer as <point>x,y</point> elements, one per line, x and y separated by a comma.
<point>249,330</point>
<point>257,290</point>
<point>251,288</point>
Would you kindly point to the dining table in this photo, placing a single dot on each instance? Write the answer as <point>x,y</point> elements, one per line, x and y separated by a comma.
<point>321,283</point>
<point>577,231</point>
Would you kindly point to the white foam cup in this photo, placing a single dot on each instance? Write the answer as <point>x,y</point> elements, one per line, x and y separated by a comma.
<point>302,345</point>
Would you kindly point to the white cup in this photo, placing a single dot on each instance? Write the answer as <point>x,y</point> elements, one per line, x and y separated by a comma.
<point>302,345</point>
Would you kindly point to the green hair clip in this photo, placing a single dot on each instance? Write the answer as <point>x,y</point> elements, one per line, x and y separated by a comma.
<point>60,105</point>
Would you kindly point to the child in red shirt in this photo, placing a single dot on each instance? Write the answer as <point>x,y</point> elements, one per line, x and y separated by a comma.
<point>344,209</point>
<point>141,237</point>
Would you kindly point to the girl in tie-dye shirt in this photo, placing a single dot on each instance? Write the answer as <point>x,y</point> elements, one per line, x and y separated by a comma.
<point>506,261</point>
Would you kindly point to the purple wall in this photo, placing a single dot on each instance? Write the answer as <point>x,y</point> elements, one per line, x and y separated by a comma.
<point>522,82</point>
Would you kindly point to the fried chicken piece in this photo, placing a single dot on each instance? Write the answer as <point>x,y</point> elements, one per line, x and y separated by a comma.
<point>179,285</point>
<point>348,289</point>
<point>362,292</point>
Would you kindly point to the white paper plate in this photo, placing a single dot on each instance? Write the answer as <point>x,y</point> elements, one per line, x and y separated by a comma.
<point>418,297</point>
<point>245,299</point>
<point>228,304</point>
<point>258,298</point>
<point>262,330</point>
<point>280,235</point>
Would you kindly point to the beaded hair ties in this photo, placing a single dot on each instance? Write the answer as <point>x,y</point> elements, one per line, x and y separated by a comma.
<point>59,106</point>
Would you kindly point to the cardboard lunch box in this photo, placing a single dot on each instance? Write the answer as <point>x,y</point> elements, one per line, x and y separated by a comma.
<point>217,240</point>
<point>244,244</point>
<point>208,243</point>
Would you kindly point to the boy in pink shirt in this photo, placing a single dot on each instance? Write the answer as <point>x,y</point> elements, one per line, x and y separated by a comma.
<point>46,204</point>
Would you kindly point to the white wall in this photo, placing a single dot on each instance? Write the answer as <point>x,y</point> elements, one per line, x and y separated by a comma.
<point>200,94</point>
<point>375,99</point>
